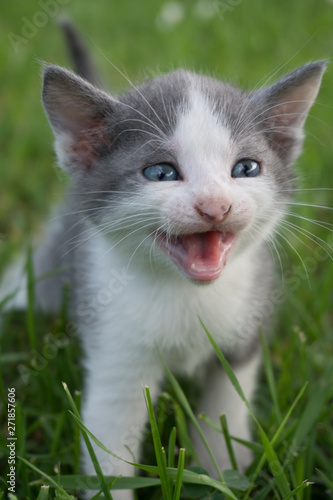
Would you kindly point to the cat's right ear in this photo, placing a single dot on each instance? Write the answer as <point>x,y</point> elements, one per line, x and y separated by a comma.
<point>285,106</point>
<point>82,118</point>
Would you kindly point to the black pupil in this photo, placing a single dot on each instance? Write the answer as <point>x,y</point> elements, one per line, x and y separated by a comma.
<point>161,174</point>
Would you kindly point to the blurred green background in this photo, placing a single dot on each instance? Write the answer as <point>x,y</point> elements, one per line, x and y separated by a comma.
<point>241,41</point>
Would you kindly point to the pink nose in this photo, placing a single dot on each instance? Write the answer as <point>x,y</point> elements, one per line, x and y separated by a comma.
<point>212,212</point>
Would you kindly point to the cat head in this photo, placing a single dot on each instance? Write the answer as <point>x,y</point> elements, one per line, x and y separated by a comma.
<point>184,170</point>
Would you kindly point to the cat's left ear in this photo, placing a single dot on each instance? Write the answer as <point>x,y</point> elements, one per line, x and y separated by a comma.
<point>82,118</point>
<point>285,106</point>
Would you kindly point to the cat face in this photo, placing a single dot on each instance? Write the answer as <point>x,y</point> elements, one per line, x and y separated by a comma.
<point>184,172</point>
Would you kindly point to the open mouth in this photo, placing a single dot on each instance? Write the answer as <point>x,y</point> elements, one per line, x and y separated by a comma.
<point>199,256</point>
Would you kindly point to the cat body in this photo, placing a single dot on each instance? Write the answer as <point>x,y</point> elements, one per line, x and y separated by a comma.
<point>177,187</point>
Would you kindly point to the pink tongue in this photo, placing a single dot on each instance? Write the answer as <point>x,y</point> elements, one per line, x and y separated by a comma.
<point>202,256</point>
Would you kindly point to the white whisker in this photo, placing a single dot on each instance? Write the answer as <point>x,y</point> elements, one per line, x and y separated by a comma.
<point>315,239</point>
<point>296,252</point>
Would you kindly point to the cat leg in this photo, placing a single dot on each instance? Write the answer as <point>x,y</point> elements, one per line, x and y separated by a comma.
<point>115,410</point>
<point>219,397</point>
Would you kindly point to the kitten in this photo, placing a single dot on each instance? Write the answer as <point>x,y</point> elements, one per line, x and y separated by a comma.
<point>178,186</point>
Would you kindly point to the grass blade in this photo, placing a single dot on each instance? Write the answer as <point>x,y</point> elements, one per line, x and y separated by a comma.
<point>160,456</point>
<point>202,479</point>
<point>275,438</point>
<point>77,444</point>
<point>202,416</point>
<point>147,468</point>
<point>226,435</point>
<point>104,485</point>
<point>329,482</point>
<point>257,448</point>
<point>44,493</point>
<point>320,392</point>
<point>179,477</point>
<point>299,488</point>
<point>269,374</point>
<point>49,479</point>
<point>8,298</point>
<point>182,430</point>
<point>188,476</point>
<point>188,410</point>
<point>123,483</point>
<point>57,431</point>
<point>227,368</point>
<point>309,461</point>
<point>172,447</point>
<point>274,463</point>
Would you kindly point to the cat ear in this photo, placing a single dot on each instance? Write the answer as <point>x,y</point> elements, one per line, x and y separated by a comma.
<point>81,117</point>
<point>286,105</point>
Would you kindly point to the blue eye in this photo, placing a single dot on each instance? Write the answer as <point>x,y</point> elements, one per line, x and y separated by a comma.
<point>161,172</point>
<point>246,168</point>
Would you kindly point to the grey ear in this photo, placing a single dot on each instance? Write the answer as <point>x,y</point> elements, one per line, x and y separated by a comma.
<point>286,104</point>
<point>81,116</point>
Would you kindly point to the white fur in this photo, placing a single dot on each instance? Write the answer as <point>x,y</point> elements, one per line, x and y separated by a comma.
<point>122,352</point>
<point>155,306</point>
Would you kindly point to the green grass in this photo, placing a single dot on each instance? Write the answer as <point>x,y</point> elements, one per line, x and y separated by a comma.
<point>243,44</point>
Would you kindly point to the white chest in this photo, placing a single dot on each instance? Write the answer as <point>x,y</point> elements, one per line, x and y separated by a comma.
<point>132,307</point>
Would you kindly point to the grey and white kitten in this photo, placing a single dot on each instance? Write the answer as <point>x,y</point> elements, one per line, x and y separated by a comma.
<point>178,185</point>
